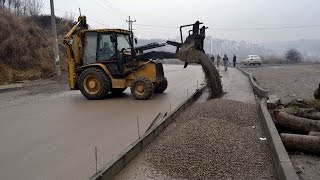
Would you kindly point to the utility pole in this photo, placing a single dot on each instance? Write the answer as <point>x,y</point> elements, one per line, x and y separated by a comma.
<point>55,40</point>
<point>130,23</point>
<point>131,29</point>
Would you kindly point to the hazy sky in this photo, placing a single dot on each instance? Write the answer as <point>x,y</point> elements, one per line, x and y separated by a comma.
<point>219,14</point>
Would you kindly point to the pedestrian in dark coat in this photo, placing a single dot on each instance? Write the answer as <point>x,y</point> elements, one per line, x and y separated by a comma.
<point>212,59</point>
<point>218,60</point>
<point>234,60</point>
<point>225,62</point>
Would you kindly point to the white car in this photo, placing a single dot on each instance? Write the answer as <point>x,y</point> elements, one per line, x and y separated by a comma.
<point>252,59</point>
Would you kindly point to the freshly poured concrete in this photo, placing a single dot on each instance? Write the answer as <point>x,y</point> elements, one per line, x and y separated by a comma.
<point>54,137</point>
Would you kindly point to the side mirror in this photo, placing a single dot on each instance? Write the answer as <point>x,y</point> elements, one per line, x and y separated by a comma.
<point>113,38</point>
<point>135,40</point>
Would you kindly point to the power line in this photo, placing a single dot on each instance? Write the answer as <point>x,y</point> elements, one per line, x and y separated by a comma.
<point>109,10</point>
<point>59,10</point>
<point>96,21</point>
<point>111,6</point>
<point>265,28</point>
<point>239,29</point>
<point>156,26</point>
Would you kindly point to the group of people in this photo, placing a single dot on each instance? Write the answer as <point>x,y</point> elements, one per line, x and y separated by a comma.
<point>225,60</point>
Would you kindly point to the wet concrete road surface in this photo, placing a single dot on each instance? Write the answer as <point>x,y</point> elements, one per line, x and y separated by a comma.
<point>54,137</point>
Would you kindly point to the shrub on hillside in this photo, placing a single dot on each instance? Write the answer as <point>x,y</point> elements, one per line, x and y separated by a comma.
<point>24,47</point>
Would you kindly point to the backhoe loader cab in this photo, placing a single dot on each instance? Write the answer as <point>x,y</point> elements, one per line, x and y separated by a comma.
<point>102,61</point>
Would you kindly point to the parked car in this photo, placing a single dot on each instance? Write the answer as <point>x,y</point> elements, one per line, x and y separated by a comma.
<point>252,59</point>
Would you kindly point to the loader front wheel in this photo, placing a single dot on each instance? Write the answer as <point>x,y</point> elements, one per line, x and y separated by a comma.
<point>94,84</point>
<point>141,88</point>
<point>161,86</point>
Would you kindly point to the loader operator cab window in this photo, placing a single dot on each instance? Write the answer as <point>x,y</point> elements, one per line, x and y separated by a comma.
<point>106,48</point>
<point>123,42</point>
<point>90,48</point>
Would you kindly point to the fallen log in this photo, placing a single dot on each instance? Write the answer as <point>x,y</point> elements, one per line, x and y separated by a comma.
<point>297,124</point>
<point>302,143</point>
<point>304,103</point>
<point>302,112</point>
<point>317,93</point>
<point>290,110</point>
<point>314,133</point>
<point>309,113</point>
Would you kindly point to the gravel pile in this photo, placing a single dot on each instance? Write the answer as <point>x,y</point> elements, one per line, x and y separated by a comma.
<point>218,139</point>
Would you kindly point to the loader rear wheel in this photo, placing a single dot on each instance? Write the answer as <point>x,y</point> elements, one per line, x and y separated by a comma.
<point>94,84</point>
<point>161,86</point>
<point>141,88</point>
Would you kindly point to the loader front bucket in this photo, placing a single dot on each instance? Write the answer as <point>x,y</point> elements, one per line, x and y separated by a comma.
<point>192,47</point>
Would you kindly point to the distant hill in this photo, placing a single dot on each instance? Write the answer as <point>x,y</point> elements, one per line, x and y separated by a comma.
<point>310,48</point>
<point>221,46</point>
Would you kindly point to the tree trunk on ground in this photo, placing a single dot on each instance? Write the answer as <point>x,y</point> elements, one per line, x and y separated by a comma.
<point>314,133</point>
<point>302,112</point>
<point>297,124</point>
<point>303,143</point>
<point>309,113</point>
<point>305,103</point>
<point>317,93</point>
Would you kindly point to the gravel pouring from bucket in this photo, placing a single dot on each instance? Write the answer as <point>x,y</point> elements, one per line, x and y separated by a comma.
<point>191,51</point>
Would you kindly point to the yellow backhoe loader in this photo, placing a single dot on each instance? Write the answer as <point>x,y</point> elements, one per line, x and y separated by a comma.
<point>104,61</point>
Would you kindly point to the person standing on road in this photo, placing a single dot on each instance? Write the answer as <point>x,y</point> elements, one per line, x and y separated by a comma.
<point>225,62</point>
<point>218,60</point>
<point>234,60</point>
<point>212,59</point>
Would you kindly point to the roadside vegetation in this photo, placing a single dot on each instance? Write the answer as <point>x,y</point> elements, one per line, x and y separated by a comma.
<point>291,56</point>
<point>26,42</point>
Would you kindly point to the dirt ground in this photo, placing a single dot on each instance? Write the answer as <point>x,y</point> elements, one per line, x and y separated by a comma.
<point>292,82</point>
<point>289,82</point>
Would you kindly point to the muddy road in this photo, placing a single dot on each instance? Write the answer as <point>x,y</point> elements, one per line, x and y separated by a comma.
<point>53,134</point>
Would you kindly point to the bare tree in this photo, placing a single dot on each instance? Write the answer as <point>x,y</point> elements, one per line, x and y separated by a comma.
<point>293,55</point>
<point>9,4</point>
<point>24,7</point>
<point>35,7</point>
<point>1,4</point>
<point>16,6</point>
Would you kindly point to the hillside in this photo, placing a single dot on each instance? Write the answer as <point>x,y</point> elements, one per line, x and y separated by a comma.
<point>310,48</point>
<point>26,48</point>
<point>221,46</point>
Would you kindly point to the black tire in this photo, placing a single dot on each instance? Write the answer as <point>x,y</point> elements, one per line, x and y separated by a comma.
<point>141,88</point>
<point>98,80</point>
<point>161,86</point>
<point>118,90</point>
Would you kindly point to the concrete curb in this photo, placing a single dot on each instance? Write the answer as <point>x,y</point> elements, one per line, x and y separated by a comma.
<point>117,164</point>
<point>10,87</point>
<point>259,91</point>
<point>280,157</point>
